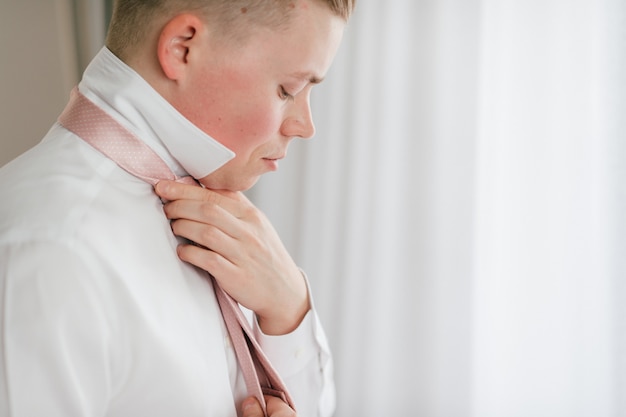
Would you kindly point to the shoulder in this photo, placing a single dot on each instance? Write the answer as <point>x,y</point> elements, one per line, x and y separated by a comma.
<point>63,186</point>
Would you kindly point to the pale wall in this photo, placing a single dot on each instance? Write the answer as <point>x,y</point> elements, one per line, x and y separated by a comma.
<point>37,70</point>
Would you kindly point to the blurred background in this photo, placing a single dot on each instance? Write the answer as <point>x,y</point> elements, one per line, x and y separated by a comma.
<point>461,211</point>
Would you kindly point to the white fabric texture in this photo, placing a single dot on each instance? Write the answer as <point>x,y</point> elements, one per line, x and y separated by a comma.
<point>461,209</point>
<point>99,316</point>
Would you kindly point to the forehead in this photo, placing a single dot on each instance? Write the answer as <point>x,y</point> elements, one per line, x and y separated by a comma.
<point>302,49</point>
<point>306,46</point>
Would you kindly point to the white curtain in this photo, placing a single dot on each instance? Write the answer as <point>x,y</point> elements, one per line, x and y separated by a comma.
<point>461,212</point>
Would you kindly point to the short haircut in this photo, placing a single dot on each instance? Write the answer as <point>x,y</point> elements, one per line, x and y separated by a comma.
<point>133,19</point>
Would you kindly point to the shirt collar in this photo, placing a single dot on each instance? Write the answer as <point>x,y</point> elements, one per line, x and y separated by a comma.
<point>130,100</point>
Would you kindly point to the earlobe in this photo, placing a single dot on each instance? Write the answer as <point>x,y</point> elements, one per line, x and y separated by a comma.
<point>175,41</point>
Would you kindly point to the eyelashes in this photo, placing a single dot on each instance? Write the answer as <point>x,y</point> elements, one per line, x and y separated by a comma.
<point>283,94</point>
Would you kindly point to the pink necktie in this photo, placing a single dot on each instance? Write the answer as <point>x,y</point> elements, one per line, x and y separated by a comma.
<point>100,130</point>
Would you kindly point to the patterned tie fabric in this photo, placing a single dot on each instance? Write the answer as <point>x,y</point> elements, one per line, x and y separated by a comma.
<point>100,130</point>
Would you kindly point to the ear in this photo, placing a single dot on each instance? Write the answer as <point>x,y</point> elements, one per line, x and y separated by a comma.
<point>177,38</point>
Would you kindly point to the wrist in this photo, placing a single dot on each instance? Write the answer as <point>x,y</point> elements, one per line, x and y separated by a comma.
<point>287,321</point>
<point>285,316</point>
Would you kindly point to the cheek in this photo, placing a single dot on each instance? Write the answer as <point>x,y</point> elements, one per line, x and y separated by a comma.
<point>235,109</point>
<point>250,112</point>
<point>251,126</point>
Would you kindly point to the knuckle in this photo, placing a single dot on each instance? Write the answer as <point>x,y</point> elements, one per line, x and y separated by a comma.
<point>252,214</point>
<point>207,261</point>
<point>211,197</point>
<point>202,258</point>
<point>257,243</point>
<point>207,210</point>
<point>208,235</point>
<point>169,208</point>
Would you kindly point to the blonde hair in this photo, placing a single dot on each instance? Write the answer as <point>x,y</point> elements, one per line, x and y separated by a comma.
<point>133,19</point>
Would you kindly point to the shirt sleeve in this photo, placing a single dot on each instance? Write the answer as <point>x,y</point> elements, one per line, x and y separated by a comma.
<point>54,336</point>
<point>304,361</point>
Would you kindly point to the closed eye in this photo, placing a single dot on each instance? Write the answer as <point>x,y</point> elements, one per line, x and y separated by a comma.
<point>284,94</point>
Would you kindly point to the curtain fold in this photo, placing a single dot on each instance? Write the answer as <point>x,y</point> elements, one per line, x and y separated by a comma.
<point>461,210</point>
<point>37,70</point>
<point>611,127</point>
<point>542,288</point>
<point>90,22</point>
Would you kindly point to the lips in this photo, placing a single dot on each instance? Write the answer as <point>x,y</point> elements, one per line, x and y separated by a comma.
<point>275,157</point>
<point>271,164</point>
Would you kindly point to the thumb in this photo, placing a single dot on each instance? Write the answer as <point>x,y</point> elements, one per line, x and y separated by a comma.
<point>251,408</point>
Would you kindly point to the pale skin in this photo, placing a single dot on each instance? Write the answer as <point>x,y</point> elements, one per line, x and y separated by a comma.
<point>275,408</point>
<point>246,255</point>
<point>254,99</point>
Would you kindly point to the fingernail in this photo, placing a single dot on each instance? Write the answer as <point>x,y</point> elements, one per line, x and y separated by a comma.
<point>161,187</point>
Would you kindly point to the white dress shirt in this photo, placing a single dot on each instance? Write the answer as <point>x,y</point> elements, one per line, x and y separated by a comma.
<point>98,316</point>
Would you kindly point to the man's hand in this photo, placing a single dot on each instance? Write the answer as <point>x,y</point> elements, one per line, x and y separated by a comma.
<point>235,242</point>
<point>275,408</point>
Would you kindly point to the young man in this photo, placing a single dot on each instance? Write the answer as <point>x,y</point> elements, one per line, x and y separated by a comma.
<point>100,316</point>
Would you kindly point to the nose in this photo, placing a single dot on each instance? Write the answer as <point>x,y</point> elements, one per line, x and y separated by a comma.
<point>299,120</point>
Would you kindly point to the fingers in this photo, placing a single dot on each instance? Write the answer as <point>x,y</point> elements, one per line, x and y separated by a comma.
<point>275,408</point>
<point>235,242</point>
<point>171,190</point>
<point>201,223</point>
<point>251,408</point>
<point>233,202</point>
<point>210,261</point>
<point>211,218</point>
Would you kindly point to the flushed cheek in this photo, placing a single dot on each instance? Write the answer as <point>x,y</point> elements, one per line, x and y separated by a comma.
<point>249,108</point>
<point>235,109</point>
<point>250,129</point>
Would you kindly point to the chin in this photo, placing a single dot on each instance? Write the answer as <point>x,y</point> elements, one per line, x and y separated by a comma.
<point>249,185</point>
